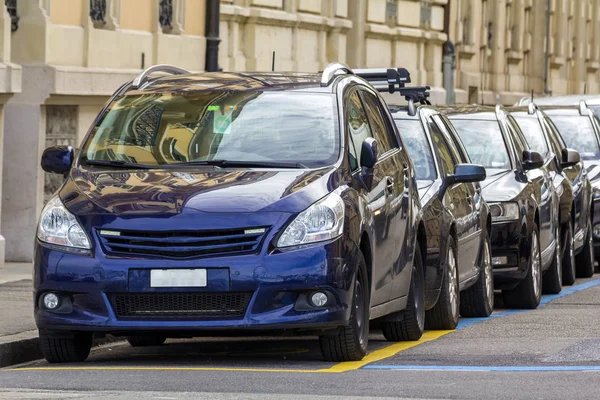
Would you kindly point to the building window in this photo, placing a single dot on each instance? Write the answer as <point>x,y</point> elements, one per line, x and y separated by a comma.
<point>391,12</point>
<point>98,12</point>
<point>165,15</point>
<point>11,7</point>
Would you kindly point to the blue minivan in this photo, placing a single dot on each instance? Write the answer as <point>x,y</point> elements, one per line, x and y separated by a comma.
<point>232,202</point>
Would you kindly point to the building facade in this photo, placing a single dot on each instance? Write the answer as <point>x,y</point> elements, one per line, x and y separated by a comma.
<point>60,60</point>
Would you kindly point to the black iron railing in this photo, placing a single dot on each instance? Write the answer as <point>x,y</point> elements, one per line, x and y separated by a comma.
<point>11,7</point>
<point>165,14</point>
<point>98,11</point>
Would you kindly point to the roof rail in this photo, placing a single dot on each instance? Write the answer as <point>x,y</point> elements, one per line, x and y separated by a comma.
<point>331,70</point>
<point>583,108</point>
<point>385,77</point>
<point>531,107</point>
<point>166,68</point>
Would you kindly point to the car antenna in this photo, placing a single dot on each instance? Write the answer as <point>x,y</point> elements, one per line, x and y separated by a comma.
<point>585,88</point>
<point>273,63</point>
<point>532,95</point>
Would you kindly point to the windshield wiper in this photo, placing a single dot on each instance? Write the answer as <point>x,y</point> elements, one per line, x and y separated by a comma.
<point>241,164</point>
<point>117,164</point>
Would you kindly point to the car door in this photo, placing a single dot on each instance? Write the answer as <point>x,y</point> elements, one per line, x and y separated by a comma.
<point>393,170</point>
<point>457,200</point>
<point>547,195</point>
<point>577,174</point>
<point>474,199</point>
<point>377,197</point>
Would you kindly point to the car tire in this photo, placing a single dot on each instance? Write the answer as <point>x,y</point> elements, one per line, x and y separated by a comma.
<point>568,261</point>
<point>146,340</point>
<point>349,343</point>
<point>478,300</point>
<point>528,293</point>
<point>552,280</point>
<point>65,349</point>
<point>444,315</point>
<point>409,323</point>
<point>585,259</point>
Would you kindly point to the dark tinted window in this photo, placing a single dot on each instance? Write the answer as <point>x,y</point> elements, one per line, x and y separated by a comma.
<point>415,141</point>
<point>452,140</point>
<point>578,133</point>
<point>555,140</point>
<point>532,130</point>
<point>446,157</point>
<point>379,128</point>
<point>358,128</point>
<point>517,136</point>
<point>484,142</point>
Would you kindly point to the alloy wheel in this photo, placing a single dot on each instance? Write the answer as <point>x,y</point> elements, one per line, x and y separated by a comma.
<point>558,256</point>
<point>452,283</point>
<point>359,305</point>
<point>536,265</point>
<point>418,300</point>
<point>488,273</point>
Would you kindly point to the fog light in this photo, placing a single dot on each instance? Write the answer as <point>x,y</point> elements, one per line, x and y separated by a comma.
<point>500,260</point>
<point>318,299</point>
<point>597,231</point>
<point>51,301</point>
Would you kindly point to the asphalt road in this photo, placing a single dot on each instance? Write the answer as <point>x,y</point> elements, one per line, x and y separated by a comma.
<point>549,353</point>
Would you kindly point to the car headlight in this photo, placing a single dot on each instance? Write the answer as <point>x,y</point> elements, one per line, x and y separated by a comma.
<point>323,220</point>
<point>504,211</point>
<point>58,226</point>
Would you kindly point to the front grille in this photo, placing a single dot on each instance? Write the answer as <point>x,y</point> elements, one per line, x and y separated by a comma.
<point>221,305</point>
<point>182,244</point>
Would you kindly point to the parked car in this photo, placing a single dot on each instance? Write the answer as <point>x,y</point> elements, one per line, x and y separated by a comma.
<point>521,198</point>
<point>571,183</point>
<point>238,202</point>
<point>458,273</point>
<point>580,130</point>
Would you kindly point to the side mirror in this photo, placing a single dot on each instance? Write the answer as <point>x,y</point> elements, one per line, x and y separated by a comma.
<point>466,173</point>
<point>369,153</point>
<point>569,157</point>
<point>368,158</point>
<point>532,160</point>
<point>57,159</point>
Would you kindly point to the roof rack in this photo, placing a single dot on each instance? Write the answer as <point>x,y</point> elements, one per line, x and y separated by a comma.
<point>165,68</point>
<point>332,70</point>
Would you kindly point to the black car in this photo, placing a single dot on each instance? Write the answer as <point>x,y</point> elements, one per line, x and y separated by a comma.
<point>521,198</point>
<point>232,201</point>
<point>573,188</point>
<point>458,274</point>
<point>579,128</point>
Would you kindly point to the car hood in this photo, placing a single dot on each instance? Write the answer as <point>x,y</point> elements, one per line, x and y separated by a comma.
<point>168,191</point>
<point>501,186</point>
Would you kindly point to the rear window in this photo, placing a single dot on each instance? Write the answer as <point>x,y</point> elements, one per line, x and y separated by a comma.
<point>484,143</point>
<point>168,129</point>
<point>578,133</point>
<point>415,141</point>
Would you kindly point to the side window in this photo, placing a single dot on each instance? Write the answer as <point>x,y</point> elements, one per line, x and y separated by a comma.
<point>517,135</point>
<point>381,131</point>
<point>451,137</point>
<point>447,159</point>
<point>358,128</point>
<point>555,139</point>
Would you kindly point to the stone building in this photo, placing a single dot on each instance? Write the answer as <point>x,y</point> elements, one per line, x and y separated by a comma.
<point>72,54</point>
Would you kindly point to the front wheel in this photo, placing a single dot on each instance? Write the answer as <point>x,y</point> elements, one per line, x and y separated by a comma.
<point>69,349</point>
<point>444,315</point>
<point>552,282</point>
<point>349,343</point>
<point>478,300</point>
<point>568,261</point>
<point>410,323</point>
<point>529,292</point>
<point>585,259</point>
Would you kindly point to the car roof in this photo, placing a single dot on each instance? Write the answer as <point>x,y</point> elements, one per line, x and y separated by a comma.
<point>469,112</point>
<point>566,100</point>
<point>234,81</point>
<point>561,110</point>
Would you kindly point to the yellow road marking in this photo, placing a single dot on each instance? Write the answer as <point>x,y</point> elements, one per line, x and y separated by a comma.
<point>377,355</point>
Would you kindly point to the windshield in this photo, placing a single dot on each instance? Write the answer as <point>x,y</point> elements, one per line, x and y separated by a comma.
<point>413,136</point>
<point>533,133</point>
<point>484,142</point>
<point>578,133</point>
<point>166,129</point>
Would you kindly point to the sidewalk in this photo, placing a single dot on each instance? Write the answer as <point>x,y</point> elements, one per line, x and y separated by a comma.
<point>18,334</point>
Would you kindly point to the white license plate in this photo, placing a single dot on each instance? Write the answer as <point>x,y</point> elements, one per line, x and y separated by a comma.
<point>178,278</point>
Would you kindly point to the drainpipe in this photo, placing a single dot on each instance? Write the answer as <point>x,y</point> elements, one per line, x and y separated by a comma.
<point>448,70</point>
<point>213,16</point>
<point>547,55</point>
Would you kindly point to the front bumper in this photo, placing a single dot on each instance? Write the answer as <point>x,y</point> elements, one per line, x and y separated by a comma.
<point>509,254</point>
<point>277,282</point>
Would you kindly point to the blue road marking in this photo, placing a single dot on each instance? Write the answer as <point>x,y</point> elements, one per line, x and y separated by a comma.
<point>465,322</point>
<point>540,368</point>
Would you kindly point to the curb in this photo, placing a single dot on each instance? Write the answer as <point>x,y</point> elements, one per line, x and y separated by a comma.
<point>25,346</point>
